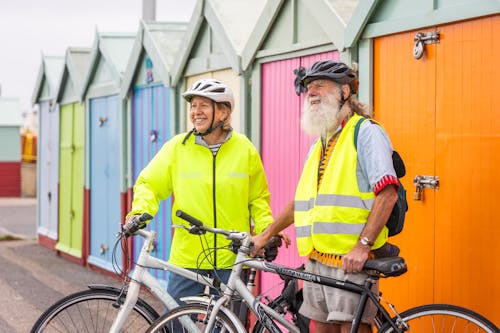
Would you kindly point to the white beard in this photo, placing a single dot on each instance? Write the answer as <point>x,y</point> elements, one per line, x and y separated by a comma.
<point>319,119</point>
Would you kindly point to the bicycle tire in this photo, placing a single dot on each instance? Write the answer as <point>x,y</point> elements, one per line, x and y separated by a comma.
<point>443,318</point>
<point>92,311</point>
<point>169,322</point>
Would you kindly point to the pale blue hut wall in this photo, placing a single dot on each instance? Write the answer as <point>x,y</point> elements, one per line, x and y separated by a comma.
<point>48,153</point>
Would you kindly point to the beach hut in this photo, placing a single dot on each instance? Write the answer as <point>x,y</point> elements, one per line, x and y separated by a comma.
<point>48,148</point>
<point>429,69</point>
<point>288,35</point>
<point>71,153</point>
<point>213,47</point>
<point>10,154</point>
<point>150,113</point>
<point>105,190</point>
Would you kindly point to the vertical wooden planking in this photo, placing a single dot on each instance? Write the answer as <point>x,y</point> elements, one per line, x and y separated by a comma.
<point>280,144</point>
<point>48,161</point>
<point>150,111</point>
<point>404,90</point>
<point>78,176</point>
<point>467,161</point>
<point>104,180</point>
<point>71,180</point>
<point>65,177</point>
<point>284,144</point>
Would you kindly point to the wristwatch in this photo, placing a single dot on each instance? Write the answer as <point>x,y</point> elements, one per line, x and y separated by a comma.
<point>365,241</point>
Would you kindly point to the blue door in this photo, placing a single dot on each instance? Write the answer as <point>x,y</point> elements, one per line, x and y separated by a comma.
<point>150,130</point>
<point>104,161</point>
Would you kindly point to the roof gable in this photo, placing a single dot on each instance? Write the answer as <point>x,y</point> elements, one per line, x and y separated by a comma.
<point>73,74</point>
<point>285,26</point>
<point>222,26</point>
<point>48,77</point>
<point>108,58</point>
<point>161,41</point>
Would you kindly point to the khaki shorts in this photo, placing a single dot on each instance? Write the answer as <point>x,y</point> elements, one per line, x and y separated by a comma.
<point>331,305</point>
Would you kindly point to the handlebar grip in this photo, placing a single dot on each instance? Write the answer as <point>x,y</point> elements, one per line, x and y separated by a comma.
<point>188,218</point>
<point>145,217</point>
<point>136,223</point>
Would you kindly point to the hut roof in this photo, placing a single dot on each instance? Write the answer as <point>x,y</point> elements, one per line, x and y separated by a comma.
<point>75,68</point>
<point>162,42</point>
<point>48,77</point>
<point>115,49</point>
<point>232,23</point>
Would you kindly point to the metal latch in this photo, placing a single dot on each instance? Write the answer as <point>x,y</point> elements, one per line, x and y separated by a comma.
<point>423,38</point>
<point>103,248</point>
<point>102,120</point>
<point>422,182</point>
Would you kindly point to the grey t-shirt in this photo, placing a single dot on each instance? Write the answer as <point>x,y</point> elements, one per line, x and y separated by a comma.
<point>374,156</point>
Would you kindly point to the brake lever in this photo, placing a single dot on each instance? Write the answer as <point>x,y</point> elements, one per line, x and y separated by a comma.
<point>195,230</point>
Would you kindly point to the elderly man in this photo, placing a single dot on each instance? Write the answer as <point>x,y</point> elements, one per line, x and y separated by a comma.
<point>344,196</point>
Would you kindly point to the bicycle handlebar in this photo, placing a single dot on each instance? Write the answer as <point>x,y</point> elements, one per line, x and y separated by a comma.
<point>239,238</point>
<point>136,223</point>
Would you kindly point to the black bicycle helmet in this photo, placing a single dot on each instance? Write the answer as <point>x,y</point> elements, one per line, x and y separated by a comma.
<point>331,70</point>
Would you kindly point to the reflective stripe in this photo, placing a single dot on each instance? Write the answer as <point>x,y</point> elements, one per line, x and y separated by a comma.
<point>303,231</point>
<point>337,228</point>
<point>303,205</point>
<point>343,201</point>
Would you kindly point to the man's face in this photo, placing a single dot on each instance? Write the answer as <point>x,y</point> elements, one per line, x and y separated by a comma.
<point>320,113</point>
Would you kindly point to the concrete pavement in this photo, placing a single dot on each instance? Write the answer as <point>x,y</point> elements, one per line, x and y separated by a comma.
<point>33,277</point>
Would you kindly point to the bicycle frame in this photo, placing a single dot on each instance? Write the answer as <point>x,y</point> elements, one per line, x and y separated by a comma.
<point>141,276</point>
<point>267,315</point>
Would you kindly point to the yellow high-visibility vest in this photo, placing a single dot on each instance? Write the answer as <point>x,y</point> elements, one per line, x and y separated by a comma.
<point>330,219</point>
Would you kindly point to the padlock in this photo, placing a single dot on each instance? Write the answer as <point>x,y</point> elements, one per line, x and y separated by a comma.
<point>417,196</point>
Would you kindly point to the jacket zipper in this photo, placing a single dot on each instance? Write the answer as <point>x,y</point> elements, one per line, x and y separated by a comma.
<point>215,209</point>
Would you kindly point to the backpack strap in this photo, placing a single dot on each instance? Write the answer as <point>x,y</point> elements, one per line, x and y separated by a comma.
<point>356,131</point>
<point>397,161</point>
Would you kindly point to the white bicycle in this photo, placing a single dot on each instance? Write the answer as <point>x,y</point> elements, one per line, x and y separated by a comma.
<point>104,308</point>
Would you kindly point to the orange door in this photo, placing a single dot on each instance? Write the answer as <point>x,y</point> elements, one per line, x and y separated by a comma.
<point>442,114</point>
<point>404,91</point>
<point>468,162</point>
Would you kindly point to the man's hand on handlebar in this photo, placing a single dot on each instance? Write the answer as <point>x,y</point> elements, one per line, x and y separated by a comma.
<point>268,246</point>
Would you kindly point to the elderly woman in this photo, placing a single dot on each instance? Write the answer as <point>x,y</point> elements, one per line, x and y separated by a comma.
<point>215,175</point>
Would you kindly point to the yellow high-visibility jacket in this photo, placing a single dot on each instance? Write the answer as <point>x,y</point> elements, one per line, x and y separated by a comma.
<point>330,219</point>
<point>222,191</point>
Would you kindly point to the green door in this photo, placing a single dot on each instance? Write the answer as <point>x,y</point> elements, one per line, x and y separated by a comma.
<point>71,179</point>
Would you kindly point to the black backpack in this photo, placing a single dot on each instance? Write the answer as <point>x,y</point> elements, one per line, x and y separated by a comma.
<point>396,221</point>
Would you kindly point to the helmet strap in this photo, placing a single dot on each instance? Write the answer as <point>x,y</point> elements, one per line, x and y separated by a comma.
<point>212,127</point>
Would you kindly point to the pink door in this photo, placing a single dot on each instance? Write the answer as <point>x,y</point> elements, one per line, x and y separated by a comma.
<point>284,145</point>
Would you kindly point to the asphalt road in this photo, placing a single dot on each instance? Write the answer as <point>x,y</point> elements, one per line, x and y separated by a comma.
<point>33,277</point>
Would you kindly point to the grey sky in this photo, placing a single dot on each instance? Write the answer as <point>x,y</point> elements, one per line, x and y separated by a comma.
<point>30,27</point>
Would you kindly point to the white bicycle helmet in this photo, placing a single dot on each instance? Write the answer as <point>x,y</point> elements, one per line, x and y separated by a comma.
<point>212,89</point>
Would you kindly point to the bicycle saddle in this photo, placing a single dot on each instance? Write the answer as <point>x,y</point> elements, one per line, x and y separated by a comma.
<point>391,266</point>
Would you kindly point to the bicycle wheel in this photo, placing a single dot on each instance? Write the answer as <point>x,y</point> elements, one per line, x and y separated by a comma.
<point>170,323</point>
<point>443,318</point>
<point>92,311</point>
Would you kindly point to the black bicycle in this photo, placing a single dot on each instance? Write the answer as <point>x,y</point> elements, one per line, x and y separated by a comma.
<point>214,316</point>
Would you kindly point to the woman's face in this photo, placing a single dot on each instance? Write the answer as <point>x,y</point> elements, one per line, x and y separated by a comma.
<point>201,111</point>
